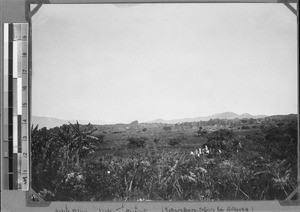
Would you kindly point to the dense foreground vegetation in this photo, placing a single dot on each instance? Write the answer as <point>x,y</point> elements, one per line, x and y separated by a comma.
<point>251,160</point>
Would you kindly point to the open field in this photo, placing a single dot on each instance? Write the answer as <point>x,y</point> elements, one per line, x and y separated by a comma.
<point>219,159</point>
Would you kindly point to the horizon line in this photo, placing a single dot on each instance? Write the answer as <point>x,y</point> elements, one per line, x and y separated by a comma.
<point>151,120</point>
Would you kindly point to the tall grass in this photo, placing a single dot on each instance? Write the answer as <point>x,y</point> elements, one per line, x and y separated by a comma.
<point>63,168</point>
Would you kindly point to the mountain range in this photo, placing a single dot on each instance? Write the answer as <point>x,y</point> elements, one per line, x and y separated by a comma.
<point>50,122</point>
<point>225,115</point>
<point>53,122</point>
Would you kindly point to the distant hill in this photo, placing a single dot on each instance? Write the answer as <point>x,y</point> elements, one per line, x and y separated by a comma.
<point>289,116</point>
<point>225,115</point>
<point>54,122</point>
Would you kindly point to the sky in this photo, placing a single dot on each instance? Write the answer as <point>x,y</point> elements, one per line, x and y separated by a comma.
<point>120,63</point>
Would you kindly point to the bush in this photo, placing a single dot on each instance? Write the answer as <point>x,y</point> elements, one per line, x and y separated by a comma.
<point>174,141</point>
<point>219,140</point>
<point>280,124</point>
<point>202,132</point>
<point>136,142</point>
<point>166,128</point>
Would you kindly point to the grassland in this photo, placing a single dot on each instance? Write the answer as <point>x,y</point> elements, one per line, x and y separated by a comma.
<point>245,159</point>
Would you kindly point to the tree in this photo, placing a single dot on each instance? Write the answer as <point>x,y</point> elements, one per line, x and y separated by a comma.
<point>58,152</point>
<point>82,141</point>
<point>46,159</point>
<point>201,132</point>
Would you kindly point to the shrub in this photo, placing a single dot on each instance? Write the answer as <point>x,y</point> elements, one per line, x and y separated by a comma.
<point>202,132</point>
<point>218,140</point>
<point>174,141</point>
<point>244,121</point>
<point>136,142</point>
<point>280,124</point>
<point>156,140</point>
<point>166,128</point>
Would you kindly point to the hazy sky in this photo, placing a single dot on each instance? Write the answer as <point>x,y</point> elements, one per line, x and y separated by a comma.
<point>120,63</point>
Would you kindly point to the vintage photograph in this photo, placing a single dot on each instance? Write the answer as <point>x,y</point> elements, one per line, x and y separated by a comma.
<point>164,102</point>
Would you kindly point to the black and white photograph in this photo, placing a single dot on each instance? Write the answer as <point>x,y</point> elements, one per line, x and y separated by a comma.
<point>164,102</point>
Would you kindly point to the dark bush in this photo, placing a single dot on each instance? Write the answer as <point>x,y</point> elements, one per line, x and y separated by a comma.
<point>280,124</point>
<point>156,140</point>
<point>166,128</point>
<point>202,132</point>
<point>220,135</point>
<point>174,141</point>
<point>218,140</point>
<point>100,138</point>
<point>244,121</point>
<point>136,142</point>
